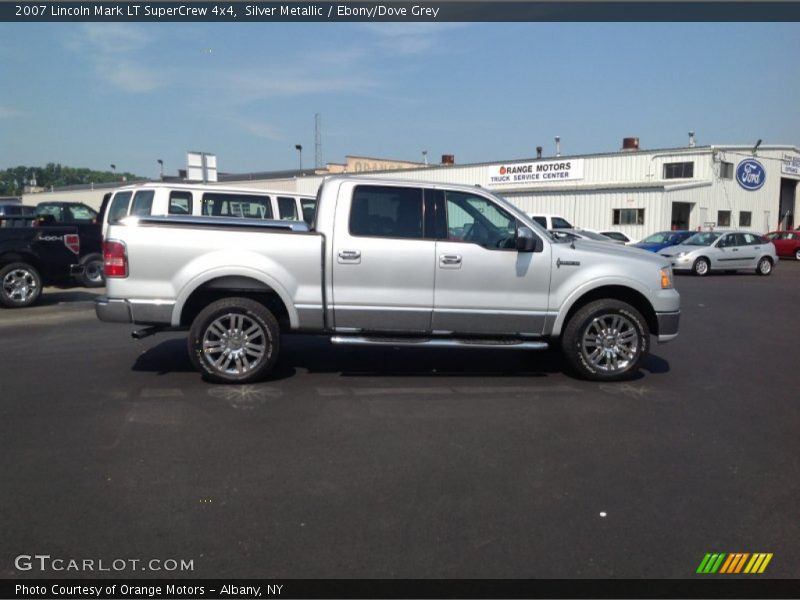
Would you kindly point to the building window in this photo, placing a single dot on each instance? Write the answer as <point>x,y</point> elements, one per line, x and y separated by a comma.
<point>744,218</point>
<point>679,170</point>
<point>723,218</point>
<point>628,216</point>
<point>725,170</point>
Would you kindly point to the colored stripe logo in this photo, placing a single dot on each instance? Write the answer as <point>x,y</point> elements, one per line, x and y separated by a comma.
<point>734,563</point>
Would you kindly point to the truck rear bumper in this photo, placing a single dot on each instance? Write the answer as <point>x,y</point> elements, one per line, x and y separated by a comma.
<point>112,311</point>
<point>148,312</point>
<point>668,326</point>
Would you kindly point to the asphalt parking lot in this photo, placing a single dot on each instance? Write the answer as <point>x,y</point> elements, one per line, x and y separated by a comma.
<point>404,463</point>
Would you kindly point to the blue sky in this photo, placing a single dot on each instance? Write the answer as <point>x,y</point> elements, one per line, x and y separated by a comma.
<point>87,95</point>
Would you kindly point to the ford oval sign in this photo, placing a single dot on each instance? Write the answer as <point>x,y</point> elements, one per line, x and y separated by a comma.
<point>751,174</point>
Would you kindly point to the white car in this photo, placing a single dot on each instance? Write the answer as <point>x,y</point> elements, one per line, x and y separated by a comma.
<point>551,221</point>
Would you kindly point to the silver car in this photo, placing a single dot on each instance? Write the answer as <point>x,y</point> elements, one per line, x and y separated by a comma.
<point>722,251</point>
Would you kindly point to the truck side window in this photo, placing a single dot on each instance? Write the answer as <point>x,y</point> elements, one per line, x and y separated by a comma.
<point>119,207</point>
<point>477,220</point>
<point>247,206</point>
<point>180,203</point>
<point>80,213</point>
<point>142,203</point>
<point>386,211</point>
<point>287,208</point>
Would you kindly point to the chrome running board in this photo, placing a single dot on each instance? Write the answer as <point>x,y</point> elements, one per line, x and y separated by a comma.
<point>346,340</point>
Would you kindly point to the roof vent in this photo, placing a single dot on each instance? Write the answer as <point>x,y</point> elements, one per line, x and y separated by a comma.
<point>630,144</point>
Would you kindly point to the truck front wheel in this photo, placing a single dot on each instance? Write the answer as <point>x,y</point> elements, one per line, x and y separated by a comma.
<point>234,340</point>
<point>605,340</point>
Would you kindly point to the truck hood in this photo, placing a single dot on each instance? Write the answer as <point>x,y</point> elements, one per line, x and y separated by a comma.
<point>604,250</point>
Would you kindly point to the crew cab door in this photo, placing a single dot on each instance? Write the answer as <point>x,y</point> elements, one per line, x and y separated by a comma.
<point>483,284</point>
<point>382,263</point>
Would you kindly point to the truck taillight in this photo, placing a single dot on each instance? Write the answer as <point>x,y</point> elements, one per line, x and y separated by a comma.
<point>115,259</point>
<point>73,242</point>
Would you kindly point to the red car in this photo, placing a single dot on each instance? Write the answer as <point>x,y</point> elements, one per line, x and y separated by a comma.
<point>787,243</point>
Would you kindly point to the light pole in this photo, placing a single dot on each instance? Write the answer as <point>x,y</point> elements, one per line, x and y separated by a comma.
<point>425,157</point>
<point>114,170</point>
<point>299,149</point>
<point>161,164</point>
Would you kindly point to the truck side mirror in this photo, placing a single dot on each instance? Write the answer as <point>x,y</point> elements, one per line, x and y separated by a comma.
<point>527,241</point>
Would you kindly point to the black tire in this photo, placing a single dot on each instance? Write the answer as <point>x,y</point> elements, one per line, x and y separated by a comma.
<point>764,266</point>
<point>626,335</point>
<point>225,340</point>
<point>92,276</point>
<point>20,285</point>
<point>797,254</point>
<point>701,267</point>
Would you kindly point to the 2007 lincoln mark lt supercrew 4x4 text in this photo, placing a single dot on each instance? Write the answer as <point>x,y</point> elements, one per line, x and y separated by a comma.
<point>392,263</point>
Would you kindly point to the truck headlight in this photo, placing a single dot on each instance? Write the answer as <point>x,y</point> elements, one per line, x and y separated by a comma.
<point>666,278</point>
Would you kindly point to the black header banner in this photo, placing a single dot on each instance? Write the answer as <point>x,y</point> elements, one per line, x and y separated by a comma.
<point>430,12</point>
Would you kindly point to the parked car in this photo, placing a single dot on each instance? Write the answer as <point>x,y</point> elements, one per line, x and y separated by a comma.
<point>722,251</point>
<point>34,257</point>
<point>584,234</point>
<point>787,243</point>
<point>551,221</point>
<point>85,219</point>
<point>663,239</point>
<point>403,264</point>
<point>619,236</point>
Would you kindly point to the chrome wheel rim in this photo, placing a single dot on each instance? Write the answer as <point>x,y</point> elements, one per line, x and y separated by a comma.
<point>701,268</point>
<point>235,344</point>
<point>94,271</point>
<point>610,343</point>
<point>765,266</point>
<point>797,254</point>
<point>20,285</point>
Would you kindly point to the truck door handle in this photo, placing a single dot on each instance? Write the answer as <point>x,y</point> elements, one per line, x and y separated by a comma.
<point>450,259</point>
<point>350,256</point>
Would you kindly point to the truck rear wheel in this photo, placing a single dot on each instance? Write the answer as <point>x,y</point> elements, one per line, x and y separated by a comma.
<point>92,276</point>
<point>234,340</point>
<point>605,340</point>
<point>20,285</point>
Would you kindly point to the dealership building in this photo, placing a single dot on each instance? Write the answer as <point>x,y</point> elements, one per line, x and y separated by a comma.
<point>632,190</point>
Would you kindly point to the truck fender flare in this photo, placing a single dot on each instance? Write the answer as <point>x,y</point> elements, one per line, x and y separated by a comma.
<point>216,273</point>
<point>576,295</point>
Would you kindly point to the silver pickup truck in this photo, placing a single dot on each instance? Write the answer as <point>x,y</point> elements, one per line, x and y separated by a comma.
<point>389,263</point>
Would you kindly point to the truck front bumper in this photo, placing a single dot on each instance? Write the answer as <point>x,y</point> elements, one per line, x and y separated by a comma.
<point>144,312</point>
<point>668,325</point>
